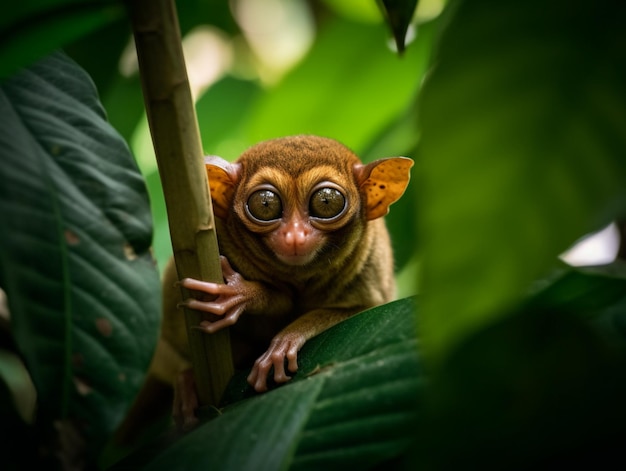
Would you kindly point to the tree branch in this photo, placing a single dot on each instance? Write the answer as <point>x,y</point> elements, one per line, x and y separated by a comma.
<point>176,139</point>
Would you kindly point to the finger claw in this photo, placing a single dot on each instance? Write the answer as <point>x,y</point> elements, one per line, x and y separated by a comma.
<point>257,380</point>
<point>292,358</point>
<point>260,386</point>
<point>226,268</point>
<point>281,377</point>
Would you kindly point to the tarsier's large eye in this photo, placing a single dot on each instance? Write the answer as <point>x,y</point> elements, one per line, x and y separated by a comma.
<point>265,205</point>
<point>326,203</point>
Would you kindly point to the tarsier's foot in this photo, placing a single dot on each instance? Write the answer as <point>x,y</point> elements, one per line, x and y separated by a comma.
<point>284,347</point>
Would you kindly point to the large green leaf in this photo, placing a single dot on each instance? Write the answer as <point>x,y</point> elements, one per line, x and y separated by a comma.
<point>352,403</point>
<point>82,287</point>
<point>522,152</point>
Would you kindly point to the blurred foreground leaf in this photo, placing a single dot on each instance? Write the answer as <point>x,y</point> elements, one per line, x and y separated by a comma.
<point>522,152</point>
<point>540,389</point>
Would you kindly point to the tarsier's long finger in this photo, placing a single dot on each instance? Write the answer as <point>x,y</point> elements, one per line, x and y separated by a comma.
<point>207,287</point>
<point>260,371</point>
<point>204,306</point>
<point>230,319</point>
<point>258,379</point>
<point>218,308</point>
<point>278,360</point>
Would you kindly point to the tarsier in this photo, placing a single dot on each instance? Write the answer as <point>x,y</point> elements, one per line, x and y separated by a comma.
<point>304,246</point>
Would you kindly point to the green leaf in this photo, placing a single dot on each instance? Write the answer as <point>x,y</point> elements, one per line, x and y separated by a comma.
<point>522,152</point>
<point>585,290</point>
<point>596,294</point>
<point>257,434</point>
<point>192,13</point>
<point>352,403</point>
<point>30,30</point>
<point>81,284</point>
<point>371,395</point>
<point>398,14</point>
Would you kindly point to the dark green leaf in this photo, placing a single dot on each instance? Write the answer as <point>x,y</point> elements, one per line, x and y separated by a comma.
<point>32,29</point>
<point>521,153</point>
<point>74,249</point>
<point>192,13</point>
<point>597,294</point>
<point>585,290</point>
<point>256,434</point>
<point>398,14</point>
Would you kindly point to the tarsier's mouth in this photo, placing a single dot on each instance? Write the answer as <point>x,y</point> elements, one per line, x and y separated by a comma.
<point>296,259</point>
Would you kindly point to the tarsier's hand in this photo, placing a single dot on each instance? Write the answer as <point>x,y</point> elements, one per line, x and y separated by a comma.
<point>232,297</point>
<point>284,346</point>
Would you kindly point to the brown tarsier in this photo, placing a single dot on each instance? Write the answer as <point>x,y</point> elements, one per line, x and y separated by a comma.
<point>304,246</point>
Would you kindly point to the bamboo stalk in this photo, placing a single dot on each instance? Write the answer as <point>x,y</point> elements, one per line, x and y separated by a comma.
<point>176,140</point>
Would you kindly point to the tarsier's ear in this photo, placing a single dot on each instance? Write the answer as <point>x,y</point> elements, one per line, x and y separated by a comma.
<point>223,177</point>
<point>382,182</point>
